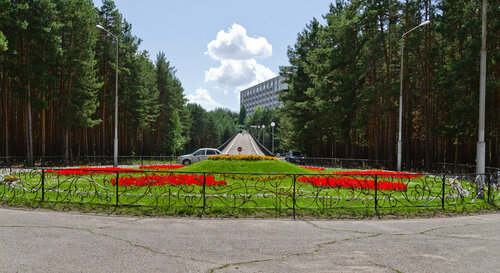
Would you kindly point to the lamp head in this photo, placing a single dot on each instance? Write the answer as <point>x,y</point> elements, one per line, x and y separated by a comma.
<point>425,23</point>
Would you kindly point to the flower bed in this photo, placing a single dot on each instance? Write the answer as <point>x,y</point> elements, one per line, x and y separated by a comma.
<point>89,170</point>
<point>380,173</point>
<point>156,180</point>
<point>313,168</point>
<point>241,157</point>
<point>347,182</point>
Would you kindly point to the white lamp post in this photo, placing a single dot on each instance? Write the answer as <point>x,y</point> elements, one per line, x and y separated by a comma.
<point>272,135</point>
<point>115,150</point>
<point>481,146</point>
<point>401,93</point>
<point>263,133</point>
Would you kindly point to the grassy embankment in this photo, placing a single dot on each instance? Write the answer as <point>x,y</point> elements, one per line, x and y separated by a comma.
<point>254,188</point>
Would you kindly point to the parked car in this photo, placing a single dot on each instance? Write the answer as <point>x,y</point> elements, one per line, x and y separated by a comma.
<point>198,156</point>
<point>294,157</point>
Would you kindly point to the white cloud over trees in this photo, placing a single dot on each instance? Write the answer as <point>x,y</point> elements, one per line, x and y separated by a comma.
<point>236,45</point>
<point>203,98</point>
<point>237,54</point>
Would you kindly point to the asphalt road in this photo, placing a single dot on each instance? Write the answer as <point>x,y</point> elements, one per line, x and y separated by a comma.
<point>247,144</point>
<point>44,241</point>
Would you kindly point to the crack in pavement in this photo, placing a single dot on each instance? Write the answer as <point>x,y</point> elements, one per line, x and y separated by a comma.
<point>333,229</point>
<point>404,234</point>
<point>385,266</point>
<point>317,249</point>
<point>454,237</point>
<point>150,249</point>
<point>438,228</point>
<point>62,227</point>
<point>115,238</point>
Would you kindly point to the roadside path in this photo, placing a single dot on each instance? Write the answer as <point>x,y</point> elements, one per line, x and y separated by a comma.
<point>46,241</point>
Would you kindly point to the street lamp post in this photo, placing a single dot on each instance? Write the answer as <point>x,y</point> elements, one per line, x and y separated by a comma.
<point>401,93</point>
<point>115,150</point>
<point>263,133</point>
<point>272,135</point>
<point>481,146</point>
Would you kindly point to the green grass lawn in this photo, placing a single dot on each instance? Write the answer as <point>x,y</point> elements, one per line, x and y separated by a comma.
<point>241,166</point>
<point>252,186</point>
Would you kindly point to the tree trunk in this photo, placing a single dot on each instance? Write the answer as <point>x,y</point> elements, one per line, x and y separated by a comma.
<point>29,134</point>
<point>497,93</point>
<point>43,129</point>
<point>66,144</point>
<point>5,105</point>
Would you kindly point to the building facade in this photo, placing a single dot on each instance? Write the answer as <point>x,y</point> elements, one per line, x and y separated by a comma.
<point>263,94</point>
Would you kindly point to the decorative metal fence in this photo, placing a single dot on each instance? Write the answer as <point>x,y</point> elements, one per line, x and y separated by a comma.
<point>281,194</point>
<point>347,163</point>
<point>58,161</point>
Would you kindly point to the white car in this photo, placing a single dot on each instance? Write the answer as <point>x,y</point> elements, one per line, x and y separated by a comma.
<point>198,156</point>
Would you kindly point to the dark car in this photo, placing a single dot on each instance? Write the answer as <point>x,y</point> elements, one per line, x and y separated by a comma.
<point>294,157</point>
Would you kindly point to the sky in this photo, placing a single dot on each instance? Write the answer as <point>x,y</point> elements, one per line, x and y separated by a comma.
<point>220,47</point>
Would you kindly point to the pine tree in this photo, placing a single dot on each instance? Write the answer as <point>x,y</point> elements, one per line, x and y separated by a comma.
<point>243,115</point>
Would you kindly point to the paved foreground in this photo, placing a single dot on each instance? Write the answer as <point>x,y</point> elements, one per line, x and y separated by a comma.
<point>40,241</point>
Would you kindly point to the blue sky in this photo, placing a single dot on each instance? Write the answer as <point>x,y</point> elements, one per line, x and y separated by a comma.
<point>220,47</point>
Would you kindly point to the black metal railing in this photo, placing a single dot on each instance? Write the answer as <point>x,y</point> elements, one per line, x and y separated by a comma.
<point>349,163</point>
<point>261,146</point>
<point>281,194</point>
<point>344,163</point>
<point>224,145</point>
<point>58,161</point>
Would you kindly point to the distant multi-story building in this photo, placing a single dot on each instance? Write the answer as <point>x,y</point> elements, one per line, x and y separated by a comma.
<point>263,94</point>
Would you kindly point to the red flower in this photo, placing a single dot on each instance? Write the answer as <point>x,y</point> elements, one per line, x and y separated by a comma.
<point>347,182</point>
<point>380,173</point>
<point>181,179</point>
<point>313,168</point>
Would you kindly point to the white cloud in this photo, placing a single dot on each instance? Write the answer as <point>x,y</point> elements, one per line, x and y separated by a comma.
<point>203,98</point>
<point>236,45</point>
<point>238,73</point>
<point>237,54</point>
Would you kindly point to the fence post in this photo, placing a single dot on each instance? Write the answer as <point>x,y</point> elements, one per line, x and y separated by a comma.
<point>43,185</point>
<point>376,191</point>
<point>489,187</point>
<point>293,196</point>
<point>204,195</point>
<point>117,179</point>
<point>276,200</point>
<point>443,189</point>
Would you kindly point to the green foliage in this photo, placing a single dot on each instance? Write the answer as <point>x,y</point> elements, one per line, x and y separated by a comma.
<point>243,115</point>
<point>78,40</point>
<point>203,130</point>
<point>59,65</point>
<point>3,42</point>
<point>224,120</point>
<point>264,116</point>
<point>343,81</point>
<point>172,113</point>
